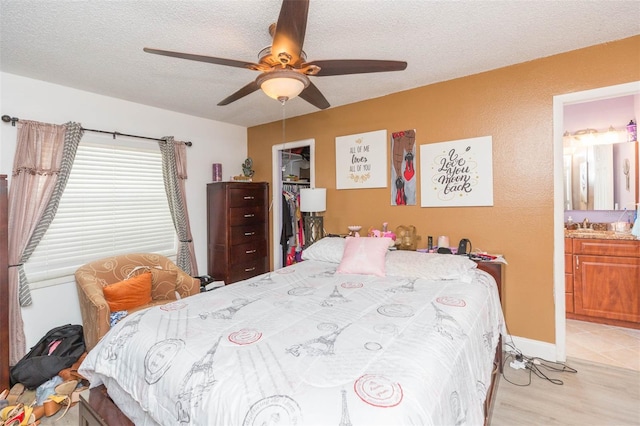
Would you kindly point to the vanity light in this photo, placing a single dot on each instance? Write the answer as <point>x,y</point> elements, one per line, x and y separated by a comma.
<point>586,136</point>
<point>611,136</point>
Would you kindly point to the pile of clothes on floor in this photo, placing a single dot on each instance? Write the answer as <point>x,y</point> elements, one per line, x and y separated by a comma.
<point>46,380</point>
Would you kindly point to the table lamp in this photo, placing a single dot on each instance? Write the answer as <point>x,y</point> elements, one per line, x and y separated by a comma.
<point>313,201</point>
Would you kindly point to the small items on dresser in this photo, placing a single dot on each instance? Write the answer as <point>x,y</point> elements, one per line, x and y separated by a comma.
<point>406,237</point>
<point>354,230</point>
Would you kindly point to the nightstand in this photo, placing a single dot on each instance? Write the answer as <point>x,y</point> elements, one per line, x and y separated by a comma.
<point>97,409</point>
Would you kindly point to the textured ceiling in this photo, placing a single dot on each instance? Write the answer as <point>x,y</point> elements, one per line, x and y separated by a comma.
<point>96,45</point>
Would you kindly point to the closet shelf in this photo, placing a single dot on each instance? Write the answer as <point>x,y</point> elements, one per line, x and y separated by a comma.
<point>296,182</point>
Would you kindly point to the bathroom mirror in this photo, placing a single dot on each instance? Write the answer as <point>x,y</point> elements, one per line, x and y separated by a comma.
<point>601,177</point>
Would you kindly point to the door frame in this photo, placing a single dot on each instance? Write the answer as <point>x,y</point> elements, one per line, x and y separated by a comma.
<point>276,179</point>
<point>559,102</point>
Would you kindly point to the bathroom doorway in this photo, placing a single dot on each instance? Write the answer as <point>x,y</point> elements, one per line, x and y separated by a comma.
<point>559,102</point>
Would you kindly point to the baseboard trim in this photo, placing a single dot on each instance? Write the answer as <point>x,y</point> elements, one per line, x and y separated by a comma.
<point>531,348</point>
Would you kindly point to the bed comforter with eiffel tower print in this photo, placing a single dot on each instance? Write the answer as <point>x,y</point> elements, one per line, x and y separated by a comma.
<point>306,345</point>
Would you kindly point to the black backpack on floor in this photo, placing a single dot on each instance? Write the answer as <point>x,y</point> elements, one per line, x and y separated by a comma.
<point>42,363</point>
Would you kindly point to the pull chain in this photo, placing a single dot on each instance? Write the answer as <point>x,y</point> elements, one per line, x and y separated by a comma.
<point>283,101</point>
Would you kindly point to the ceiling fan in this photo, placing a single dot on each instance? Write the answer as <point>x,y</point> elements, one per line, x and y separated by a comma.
<point>283,66</point>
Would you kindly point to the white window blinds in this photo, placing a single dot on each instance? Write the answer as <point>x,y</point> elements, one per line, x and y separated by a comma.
<point>114,203</point>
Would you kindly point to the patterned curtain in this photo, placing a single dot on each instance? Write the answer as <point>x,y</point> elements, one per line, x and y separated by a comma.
<point>174,172</point>
<point>43,160</point>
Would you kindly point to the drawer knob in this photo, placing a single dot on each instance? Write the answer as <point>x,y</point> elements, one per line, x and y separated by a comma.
<point>250,269</point>
<point>249,233</point>
<point>249,197</point>
<point>249,215</point>
<point>250,251</point>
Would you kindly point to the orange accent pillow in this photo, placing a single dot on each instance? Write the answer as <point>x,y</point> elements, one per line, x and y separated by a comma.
<point>129,294</point>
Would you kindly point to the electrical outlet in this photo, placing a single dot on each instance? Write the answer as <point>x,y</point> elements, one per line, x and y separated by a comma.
<point>517,365</point>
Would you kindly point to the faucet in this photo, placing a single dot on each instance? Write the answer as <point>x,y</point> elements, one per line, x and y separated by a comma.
<point>585,223</point>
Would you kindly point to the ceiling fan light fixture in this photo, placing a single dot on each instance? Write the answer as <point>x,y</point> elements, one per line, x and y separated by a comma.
<point>282,85</point>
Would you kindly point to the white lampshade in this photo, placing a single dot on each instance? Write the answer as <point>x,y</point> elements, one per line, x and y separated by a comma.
<point>282,85</point>
<point>313,200</point>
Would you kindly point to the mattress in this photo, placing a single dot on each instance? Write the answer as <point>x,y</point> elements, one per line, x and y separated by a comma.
<point>307,345</point>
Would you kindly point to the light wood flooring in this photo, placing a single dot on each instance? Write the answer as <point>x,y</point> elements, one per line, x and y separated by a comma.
<point>597,395</point>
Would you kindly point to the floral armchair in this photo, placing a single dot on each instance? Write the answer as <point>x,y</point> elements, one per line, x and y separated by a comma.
<point>167,283</point>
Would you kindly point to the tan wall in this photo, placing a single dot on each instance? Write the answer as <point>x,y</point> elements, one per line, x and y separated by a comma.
<point>514,106</point>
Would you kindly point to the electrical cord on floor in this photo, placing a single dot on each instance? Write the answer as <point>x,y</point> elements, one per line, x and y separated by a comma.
<point>504,371</point>
<point>534,365</point>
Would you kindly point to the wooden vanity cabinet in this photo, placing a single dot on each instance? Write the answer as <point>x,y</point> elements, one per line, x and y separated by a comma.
<point>606,281</point>
<point>568,274</point>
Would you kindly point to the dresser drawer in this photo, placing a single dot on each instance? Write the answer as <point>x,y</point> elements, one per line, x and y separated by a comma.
<point>247,270</point>
<point>568,245</point>
<point>247,233</point>
<point>568,302</point>
<point>568,283</point>
<point>625,248</point>
<point>246,215</point>
<point>246,197</point>
<point>568,263</point>
<point>248,252</point>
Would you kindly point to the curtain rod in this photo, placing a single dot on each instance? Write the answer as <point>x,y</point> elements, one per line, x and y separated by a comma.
<point>12,120</point>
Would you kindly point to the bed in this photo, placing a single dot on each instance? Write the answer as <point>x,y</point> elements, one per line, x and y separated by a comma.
<point>354,334</point>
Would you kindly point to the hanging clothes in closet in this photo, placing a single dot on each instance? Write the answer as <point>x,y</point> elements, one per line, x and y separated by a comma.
<point>292,236</point>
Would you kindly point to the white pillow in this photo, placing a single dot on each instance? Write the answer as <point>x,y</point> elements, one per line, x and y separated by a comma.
<point>328,249</point>
<point>431,266</point>
<point>364,255</point>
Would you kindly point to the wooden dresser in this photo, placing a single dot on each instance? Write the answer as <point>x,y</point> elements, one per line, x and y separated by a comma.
<point>238,230</point>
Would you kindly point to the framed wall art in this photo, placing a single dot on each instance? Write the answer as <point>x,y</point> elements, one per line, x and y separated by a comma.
<point>361,160</point>
<point>457,173</point>
<point>403,168</point>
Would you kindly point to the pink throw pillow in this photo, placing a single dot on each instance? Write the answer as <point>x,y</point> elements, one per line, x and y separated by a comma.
<point>364,255</point>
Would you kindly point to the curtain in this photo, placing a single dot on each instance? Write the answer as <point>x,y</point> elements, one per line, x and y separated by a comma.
<point>174,172</point>
<point>43,160</point>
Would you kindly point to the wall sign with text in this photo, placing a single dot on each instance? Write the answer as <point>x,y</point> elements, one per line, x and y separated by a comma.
<point>361,160</point>
<point>457,173</point>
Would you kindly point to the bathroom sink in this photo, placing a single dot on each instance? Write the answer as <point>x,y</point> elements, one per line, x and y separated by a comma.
<point>589,232</point>
<point>592,233</point>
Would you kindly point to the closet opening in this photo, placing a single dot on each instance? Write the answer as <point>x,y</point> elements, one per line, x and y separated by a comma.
<point>293,168</point>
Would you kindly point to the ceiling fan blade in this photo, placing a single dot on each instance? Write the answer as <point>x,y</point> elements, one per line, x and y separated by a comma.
<point>201,58</point>
<point>246,90</point>
<point>312,95</point>
<point>290,30</point>
<point>355,66</point>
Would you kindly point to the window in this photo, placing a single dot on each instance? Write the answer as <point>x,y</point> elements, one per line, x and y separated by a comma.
<point>114,203</point>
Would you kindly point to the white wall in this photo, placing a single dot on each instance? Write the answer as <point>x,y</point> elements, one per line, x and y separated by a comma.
<point>213,142</point>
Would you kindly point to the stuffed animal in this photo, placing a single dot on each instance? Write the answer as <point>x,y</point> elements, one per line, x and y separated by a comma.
<point>376,233</point>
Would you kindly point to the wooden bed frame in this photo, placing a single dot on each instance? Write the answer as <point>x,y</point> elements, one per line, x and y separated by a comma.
<point>496,270</point>
<point>97,408</point>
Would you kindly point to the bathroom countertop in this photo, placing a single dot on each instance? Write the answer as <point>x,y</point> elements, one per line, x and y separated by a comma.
<point>602,235</point>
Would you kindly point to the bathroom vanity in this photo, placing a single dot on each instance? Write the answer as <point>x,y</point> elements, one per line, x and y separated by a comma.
<point>602,277</point>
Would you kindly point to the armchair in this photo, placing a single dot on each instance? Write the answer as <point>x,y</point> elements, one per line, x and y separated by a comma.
<point>91,278</point>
